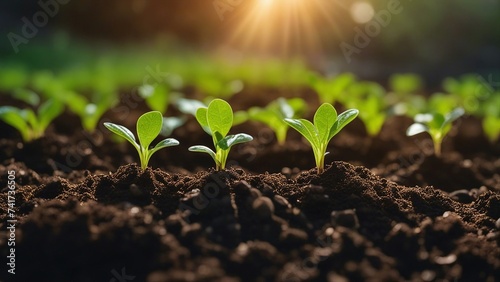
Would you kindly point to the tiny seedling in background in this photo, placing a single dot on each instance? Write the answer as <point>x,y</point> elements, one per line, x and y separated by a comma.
<point>491,117</point>
<point>32,125</point>
<point>89,112</point>
<point>372,112</point>
<point>274,114</point>
<point>331,90</point>
<point>158,96</point>
<point>405,84</point>
<point>326,125</point>
<point>148,126</point>
<point>436,124</point>
<point>191,106</point>
<point>217,120</point>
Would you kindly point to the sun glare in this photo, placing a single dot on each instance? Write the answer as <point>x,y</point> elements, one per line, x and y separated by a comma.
<point>362,12</point>
<point>288,25</point>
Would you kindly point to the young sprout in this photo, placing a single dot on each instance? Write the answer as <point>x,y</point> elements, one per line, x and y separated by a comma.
<point>491,117</point>
<point>89,112</point>
<point>330,90</point>
<point>372,111</point>
<point>436,124</point>
<point>274,114</point>
<point>217,120</point>
<point>326,125</point>
<point>148,126</point>
<point>405,84</point>
<point>32,125</point>
<point>158,96</point>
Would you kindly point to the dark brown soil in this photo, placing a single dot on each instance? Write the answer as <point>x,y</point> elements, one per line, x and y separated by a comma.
<point>84,216</point>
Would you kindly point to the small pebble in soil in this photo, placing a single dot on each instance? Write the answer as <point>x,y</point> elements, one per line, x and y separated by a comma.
<point>293,236</point>
<point>280,200</point>
<point>242,187</point>
<point>428,275</point>
<point>449,259</point>
<point>345,218</point>
<point>461,196</point>
<point>263,207</point>
<point>134,189</point>
<point>497,224</point>
<point>255,193</point>
<point>315,189</point>
<point>287,172</point>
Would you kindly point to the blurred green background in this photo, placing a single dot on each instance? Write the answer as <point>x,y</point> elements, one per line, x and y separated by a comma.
<point>432,38</point>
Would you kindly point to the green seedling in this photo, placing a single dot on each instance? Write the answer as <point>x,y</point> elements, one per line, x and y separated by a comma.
<point>491,118</point>
<point>13,78</point>
<point>170,124</point>
<point>469,90</point>
<point>330,90</point>
<point>191,106</point>
<point>405,84</point>
<point>372,112</point>
<point>326,125</point>
<point>159,96</point>
<point>89,112</point>
<point>217,120</point>
<point>32,125</point>
<point>274,114</point>
<point>436,124</point>
<point>148,128</point>
<point>442,103</point>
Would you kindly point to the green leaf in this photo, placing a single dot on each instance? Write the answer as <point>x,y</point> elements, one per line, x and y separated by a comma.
<point>306,128</point>
<point>285,109</point>
<point>123,132</point>
<point>26,96</point>
<point>231,140</point>
<point>203,149</point>
<point>13,117</point>
<point>324,119</point>
<point>148,127</point>
<point>453,115</point>
<point>219,116</point>
<point>342,120</point>
<point>416,128</point>
<point>201,117</point>
<point>491,127</point>
<point>240,117</point>
<point>169,142</point>
<point>47,112</point>
<point>189,106</point>
<point>157,97</point>
<point>170,124</point>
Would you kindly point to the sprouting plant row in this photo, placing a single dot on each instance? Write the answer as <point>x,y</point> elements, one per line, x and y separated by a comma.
<point>374,103</point>
<point>217,120</point>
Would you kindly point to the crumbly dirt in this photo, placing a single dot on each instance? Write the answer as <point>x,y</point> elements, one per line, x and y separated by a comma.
<point>391,212</point>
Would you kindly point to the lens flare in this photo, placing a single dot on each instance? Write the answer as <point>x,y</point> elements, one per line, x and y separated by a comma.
<point>287,26</point>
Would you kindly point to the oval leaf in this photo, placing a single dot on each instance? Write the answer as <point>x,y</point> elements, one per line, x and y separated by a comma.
<point>453,115</point>
<point>13,117</point>
<point>48,111</point>
<point>169,142</point>
<point>324,119</point>
<point>170,124</point>
<point>306,128</point>
<point>231,140</point>
<point>148,127</point>
<point>342,120</point>
<point>201,117</point>
<point>121,131</point>
<point>203,149</point>
<point>416,128</point>
<point>220,116</point>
